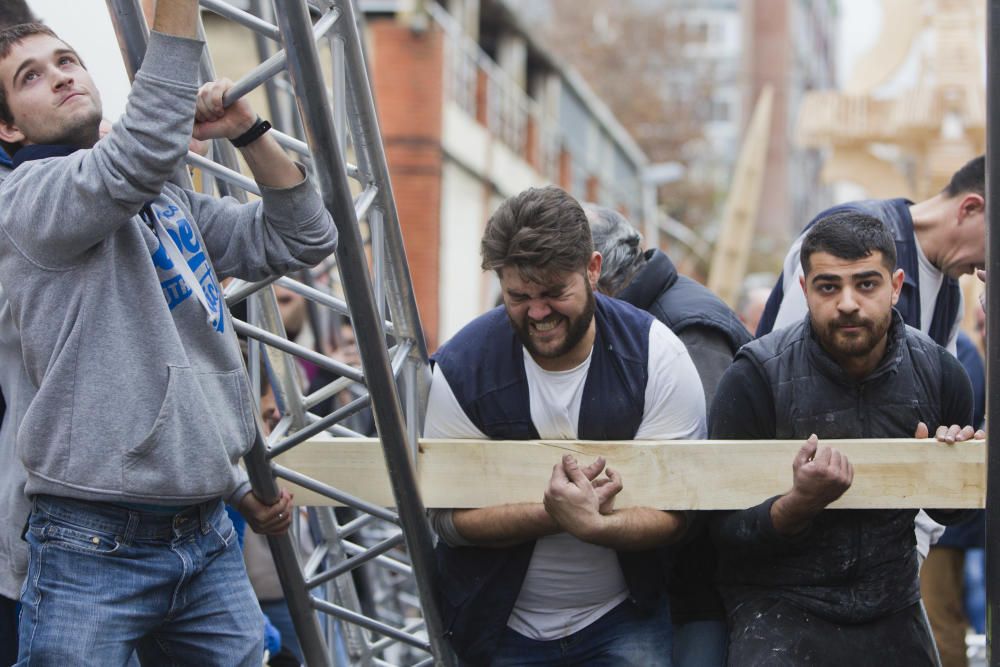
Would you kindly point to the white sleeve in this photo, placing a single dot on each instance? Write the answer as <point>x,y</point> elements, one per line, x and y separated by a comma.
<point>445,417</point>
<point>675,400</point>
<point>793,302</point>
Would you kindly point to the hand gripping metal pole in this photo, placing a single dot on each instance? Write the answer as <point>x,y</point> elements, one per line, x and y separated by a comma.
<point>304,68</point>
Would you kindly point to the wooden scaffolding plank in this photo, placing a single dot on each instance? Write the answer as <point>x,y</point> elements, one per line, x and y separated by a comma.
<point>675,474</point>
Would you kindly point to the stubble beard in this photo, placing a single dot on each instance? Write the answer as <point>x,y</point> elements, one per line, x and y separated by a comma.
<point>81,131</point>
<point>859,346</point>
<point>575,332</point>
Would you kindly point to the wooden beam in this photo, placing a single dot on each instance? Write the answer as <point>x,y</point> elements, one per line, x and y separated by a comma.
<point>675,474</point>
<point>739,217</point>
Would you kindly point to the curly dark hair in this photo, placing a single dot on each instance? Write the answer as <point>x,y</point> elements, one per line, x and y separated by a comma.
<point>849,235</point>
<point>540,232</point>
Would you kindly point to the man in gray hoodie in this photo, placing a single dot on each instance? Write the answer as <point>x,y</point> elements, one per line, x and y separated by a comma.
<point>142,405</point>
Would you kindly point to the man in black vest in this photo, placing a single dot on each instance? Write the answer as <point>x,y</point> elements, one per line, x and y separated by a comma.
<point>802,584</point>
<point>712,334</point>
<point>573,581</point>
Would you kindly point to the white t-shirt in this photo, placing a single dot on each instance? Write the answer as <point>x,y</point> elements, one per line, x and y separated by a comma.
<point>569,583</point>
<point>793,309</point>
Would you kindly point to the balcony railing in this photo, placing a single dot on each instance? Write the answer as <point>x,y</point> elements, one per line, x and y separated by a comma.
<point>478,85</point>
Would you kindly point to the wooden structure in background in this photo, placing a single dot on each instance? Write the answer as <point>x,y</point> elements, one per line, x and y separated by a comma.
<point>935,126</point>
<point>735,240</point>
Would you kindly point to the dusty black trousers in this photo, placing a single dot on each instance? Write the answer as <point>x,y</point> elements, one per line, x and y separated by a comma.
<point>775,633</point>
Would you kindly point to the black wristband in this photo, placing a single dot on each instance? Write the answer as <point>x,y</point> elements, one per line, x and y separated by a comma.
<point>253,134</point>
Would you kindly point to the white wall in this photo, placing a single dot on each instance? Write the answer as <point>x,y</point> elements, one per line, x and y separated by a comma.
<point>477,174</point>
<point>86,26</point>
<point>463,217</point>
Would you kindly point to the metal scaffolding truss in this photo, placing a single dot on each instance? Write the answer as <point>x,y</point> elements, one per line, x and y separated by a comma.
<point>372,570</point>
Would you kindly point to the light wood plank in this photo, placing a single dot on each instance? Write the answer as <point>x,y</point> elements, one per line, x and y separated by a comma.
<point>674,474</point>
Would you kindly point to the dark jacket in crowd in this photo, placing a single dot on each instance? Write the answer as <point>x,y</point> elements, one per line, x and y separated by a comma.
<point>709,329</point>
<point>712,334</point>
<point>849,566</point>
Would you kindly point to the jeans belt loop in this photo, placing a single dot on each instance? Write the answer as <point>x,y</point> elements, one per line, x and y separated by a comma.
<point>205,516</point>
<point>131,526</point>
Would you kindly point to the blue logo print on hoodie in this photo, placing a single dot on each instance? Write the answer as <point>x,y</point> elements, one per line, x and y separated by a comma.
<point>175,290</point>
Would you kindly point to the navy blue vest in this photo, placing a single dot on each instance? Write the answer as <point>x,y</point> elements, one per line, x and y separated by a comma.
<point>895,214</point>
<point>484,366</point>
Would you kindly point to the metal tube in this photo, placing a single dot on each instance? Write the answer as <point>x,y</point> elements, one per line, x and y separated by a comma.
<point>285,559</point>
<point>339,89</point>
<point>332,302</point>
<point>277,107</point>
<point>354,526</point>
<point>355,561</point>
<point>368,623</point>
<point>240,290</point>
<point>130,26</point>
<point>385,642</point>
<point>133,35</point>
<point>305,73</point>
<point>327,392</point>
<point>299,351</point>
<point>275,63</point>
<point>371,159</point>
<point>316,322</point>
<point>345,593</point>
<point>262,479</point>
<point>335,494</point>
<point>337,429</point>
<point>376,227</point>
<point>362,203</point>
<point>284,369</point>
<point>993,330</point>
<point>320,425</point>
<point>245,19</point>
<point>223,173</point>
<point>391,564</point>
<point>255,77</point>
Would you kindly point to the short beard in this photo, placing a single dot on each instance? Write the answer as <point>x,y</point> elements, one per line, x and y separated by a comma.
<point>575,332</point>
<point>84,133</point>
<point>860,347</point>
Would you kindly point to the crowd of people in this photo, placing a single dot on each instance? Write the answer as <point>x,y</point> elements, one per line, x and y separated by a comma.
<point>115,539</point>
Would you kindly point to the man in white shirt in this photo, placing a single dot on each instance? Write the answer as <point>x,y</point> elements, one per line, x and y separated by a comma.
<point>573,580</point>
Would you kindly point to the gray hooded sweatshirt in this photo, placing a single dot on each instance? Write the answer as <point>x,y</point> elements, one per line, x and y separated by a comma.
<point>139,398</point>
<point>14,505</point>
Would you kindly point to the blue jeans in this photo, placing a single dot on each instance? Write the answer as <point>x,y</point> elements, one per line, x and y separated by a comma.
<point>104,581</point>
<point>701,644</point>
<point>624,637</point>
